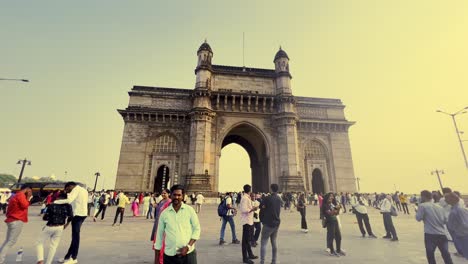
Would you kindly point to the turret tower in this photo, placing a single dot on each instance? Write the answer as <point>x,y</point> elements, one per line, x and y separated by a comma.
<point>286,119</point>
<point>200,164</point>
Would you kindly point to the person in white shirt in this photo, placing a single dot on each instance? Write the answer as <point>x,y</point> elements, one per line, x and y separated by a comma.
<point>257,225</point>
<point>246,219</point>
<point>199,202</point>
<point>158,198</point>
<point>3,201</point>
<point>357,203</point>
<point>78,199</point>
<point>315,199</point>
<point>385,209</point>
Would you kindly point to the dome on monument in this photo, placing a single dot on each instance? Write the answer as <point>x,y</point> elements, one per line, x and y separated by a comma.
<point>281,54</point>
<point>205,46</point>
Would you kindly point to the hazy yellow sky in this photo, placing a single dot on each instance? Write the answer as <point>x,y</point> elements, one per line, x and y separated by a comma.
<point>393,63</point>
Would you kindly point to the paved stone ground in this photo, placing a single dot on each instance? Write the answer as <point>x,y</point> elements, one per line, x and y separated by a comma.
<point>129,243</point>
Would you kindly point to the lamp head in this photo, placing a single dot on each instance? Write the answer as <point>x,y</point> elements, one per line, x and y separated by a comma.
<point>19,162</point>
<point>29,162</point>
<point>24,80</point>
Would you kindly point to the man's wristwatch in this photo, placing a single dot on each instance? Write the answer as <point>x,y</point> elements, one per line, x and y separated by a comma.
<point>190,247</point>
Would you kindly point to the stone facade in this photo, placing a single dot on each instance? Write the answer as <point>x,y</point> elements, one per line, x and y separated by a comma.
<point>300,143</point>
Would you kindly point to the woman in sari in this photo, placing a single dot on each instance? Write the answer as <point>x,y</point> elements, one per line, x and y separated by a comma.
<point>160,207</point>
<point>135,209</point>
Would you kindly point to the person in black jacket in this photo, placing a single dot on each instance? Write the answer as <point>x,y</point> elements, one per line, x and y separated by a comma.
<point>270,209</point>
<point>58,216</point>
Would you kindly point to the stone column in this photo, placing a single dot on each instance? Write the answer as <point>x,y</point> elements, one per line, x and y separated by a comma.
<point>290,178</point>
<point>200,156</point>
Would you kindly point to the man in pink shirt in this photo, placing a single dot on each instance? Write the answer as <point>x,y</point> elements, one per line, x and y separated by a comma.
<point>246,219</point>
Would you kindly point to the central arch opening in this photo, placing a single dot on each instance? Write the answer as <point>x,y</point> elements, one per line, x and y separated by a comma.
<point>253,142</point>
<point>234,168</point>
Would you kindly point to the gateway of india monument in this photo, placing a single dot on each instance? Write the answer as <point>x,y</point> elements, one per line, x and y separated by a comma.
<point>174,135</point>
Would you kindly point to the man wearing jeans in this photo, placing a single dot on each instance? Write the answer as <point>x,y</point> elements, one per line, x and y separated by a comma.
<point>78,199</point>
<point>270,209</point>
<point>17,215</point>
<point>229,218</point>
<point>434,219</point>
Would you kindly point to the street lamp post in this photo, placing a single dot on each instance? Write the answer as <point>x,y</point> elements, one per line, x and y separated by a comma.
<point>24,162</point>
<point>18,80</point>
<point>462,111</point>
<point>95,183</point>
<point>358,187</point>
<point>438,172</point>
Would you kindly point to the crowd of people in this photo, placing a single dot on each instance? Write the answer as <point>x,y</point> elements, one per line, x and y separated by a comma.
<point>176,226</point>
<point>444,215</point>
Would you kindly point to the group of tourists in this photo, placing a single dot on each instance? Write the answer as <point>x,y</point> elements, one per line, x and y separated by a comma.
<point>64,208</point>
<point>444,215</point>
<point>259,214</point>
<point>176,226</point>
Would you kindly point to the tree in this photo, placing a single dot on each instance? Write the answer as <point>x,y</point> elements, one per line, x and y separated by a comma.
<point>7,179</point>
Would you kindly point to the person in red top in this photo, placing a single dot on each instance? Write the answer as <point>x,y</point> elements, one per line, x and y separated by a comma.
<point>49,198</point>
<point>17,215</point>
<point>320,200</point>
<point>140,198</point>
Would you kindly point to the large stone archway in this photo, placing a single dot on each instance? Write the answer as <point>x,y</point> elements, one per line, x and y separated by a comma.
<point>255,144</point>
<point>185,129</point>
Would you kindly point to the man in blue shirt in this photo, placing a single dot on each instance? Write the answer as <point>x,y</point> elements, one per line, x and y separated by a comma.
<point>434,219</point>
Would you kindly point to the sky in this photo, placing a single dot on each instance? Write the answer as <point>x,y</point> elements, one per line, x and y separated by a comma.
<point>392,63</point>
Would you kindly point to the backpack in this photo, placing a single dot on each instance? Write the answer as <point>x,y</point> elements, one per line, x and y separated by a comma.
<point>393,211</point>
<point>222,208</point>
<point>102,199</point>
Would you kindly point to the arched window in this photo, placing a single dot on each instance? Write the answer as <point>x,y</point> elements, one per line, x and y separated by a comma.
<point>314,150</point>
<point>165,143</point>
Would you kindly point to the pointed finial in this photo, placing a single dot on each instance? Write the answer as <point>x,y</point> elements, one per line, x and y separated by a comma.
<point>280,47</point>
<point>206,41</point>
